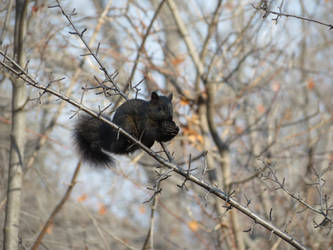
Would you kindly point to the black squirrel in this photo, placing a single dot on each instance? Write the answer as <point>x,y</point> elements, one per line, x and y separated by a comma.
<point>147,121</point>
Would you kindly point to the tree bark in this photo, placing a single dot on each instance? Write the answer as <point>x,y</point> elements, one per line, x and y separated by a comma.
<point>17,136</point>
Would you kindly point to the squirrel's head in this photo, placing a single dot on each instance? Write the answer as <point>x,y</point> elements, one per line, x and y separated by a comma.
<point>161,107</point>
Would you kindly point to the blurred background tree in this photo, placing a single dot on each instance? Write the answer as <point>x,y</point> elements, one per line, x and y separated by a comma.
<point>253,92</point>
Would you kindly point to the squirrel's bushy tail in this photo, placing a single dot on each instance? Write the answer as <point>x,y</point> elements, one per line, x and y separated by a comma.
<point>92,138</point>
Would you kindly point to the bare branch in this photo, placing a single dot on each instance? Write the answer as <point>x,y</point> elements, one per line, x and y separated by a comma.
<point>279,14</point>
<point>57,208</point>
<point>93,54</point>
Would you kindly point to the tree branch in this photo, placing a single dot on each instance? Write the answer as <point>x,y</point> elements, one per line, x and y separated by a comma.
<point>57,208</point>
<point>265,8</point>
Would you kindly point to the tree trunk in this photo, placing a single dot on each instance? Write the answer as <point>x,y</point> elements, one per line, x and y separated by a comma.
<point>12,219</point>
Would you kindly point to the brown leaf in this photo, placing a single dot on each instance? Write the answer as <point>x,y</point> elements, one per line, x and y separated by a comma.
<point>261,108</point>
<point>82,198</point>
<point>177,60</point>
<point>193,225</point>
<point>142,209</point>
<point>239,130</point>
<point>34,9</point>
<point>311,84</point>
<point>102,209</point>
<point>194,119</point>
<point>184,101</point>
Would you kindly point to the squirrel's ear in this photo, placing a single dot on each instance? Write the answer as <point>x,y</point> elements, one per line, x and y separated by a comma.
<point>154,96</point>
<point>170,97</point>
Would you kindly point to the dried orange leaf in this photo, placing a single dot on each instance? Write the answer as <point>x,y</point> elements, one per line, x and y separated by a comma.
<point>102,209</point>
<point>189,131</point>
<point>184,102</point>
<point>187,92</point>
<point>142,209</point>
<point>311,84</point>
<point>200,138</point>
<point>239,130</point>
<point>261,108</point>
<point>82,198</point>
<point>178,60</point>
<point>193,118</point>
<point>193,225</point>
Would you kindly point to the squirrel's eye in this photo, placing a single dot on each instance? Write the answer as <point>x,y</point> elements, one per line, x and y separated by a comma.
<point>159,109</point>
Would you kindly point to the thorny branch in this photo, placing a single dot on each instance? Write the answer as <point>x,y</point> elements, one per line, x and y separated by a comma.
<point>93,54</point>
<point>149,240</point>
<point>264,6</point>
<point>323,203</point>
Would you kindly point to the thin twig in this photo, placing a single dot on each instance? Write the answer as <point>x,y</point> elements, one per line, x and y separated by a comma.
<point>166,151</point>
<point>281,185</point>
<point>57,208</point>
<point>139,51</point>
<point>279,14</point>
<point>149,240</point>
<point>93,54</point>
